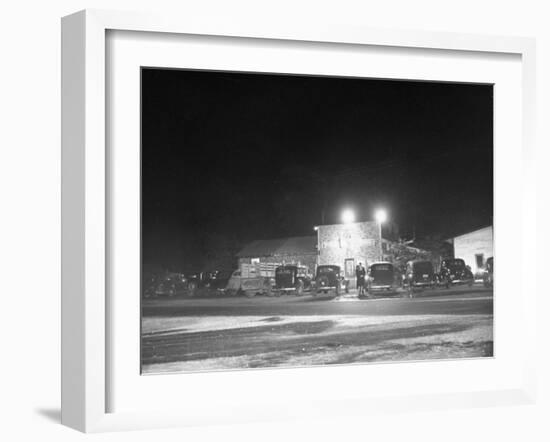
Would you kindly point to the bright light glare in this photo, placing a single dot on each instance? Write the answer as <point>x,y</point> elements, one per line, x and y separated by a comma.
<point>381,216</point>
<point>348,216</point>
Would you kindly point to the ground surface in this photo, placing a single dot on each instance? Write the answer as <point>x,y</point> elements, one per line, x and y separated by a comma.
<point>182,334</point>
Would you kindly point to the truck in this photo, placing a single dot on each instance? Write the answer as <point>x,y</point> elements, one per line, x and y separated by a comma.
<point>252,279</point>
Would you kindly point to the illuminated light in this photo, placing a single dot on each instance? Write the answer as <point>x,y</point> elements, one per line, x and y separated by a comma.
<point>381,216</point>
<point>348,216</point>
<point>316,228</point>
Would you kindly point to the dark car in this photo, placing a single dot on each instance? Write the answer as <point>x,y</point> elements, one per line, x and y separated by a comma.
<point>488,274</point>
<point>419,274</point>
<point>454,271</point>
<point>166,284</point>
<point>214,280</point>
<point>383,276</point>
<point>292,278</point>
<point>329,277</point>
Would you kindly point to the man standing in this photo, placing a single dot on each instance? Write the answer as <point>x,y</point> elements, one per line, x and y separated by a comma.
<point>360,279</point>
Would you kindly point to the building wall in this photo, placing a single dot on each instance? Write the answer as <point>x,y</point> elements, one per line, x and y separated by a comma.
<point>359,242</point>
<point>477,242</point>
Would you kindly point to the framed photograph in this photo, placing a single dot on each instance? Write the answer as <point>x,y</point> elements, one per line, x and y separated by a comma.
<point>268,222</point>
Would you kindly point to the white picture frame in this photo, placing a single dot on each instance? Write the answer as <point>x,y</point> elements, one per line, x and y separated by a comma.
<point>86,316</point>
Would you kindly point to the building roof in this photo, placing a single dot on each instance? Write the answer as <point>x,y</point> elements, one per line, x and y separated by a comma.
<point>471,231</point>
<point>298,245</point>
<point>347,224</point>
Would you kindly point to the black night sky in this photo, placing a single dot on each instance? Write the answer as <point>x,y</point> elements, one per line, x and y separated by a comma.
<point>230,157</point>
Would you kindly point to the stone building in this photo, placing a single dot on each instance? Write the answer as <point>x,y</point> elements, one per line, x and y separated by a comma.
<point>474,248</point>
<point>346,245</point>
<point>295,250</point>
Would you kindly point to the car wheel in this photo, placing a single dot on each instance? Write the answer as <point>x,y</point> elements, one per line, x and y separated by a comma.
<point>192,288</point>
<point>171,291</point>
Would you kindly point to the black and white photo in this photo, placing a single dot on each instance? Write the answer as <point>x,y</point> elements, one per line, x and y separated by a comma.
<point>298,220</point>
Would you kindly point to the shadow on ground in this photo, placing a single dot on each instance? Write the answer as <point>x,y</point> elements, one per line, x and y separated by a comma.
<point>51,414</point>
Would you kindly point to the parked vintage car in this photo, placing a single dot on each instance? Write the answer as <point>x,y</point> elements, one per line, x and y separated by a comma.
<point>488,274</point>
<point>166,284</point>
<point>454,271</point>
<point>383,276</point>
<point>292,278</point>
<point>329,278</point>
<point>419,274</point>
<point>215,280</point>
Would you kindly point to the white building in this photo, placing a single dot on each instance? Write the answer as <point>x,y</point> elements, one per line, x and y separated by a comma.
<point>474,247</point>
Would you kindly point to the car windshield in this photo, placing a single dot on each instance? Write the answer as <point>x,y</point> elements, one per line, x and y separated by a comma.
<point>423,267</point>
<point>329,269</point>
<point>284,271</point>
<point>381,268</point>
